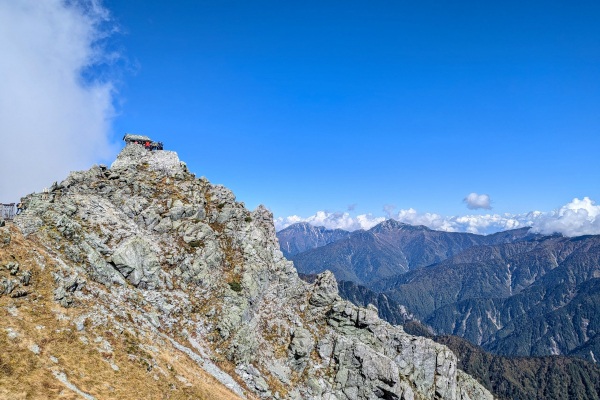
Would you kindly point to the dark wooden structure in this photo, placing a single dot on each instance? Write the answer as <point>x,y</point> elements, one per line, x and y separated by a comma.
<point>131,138</point>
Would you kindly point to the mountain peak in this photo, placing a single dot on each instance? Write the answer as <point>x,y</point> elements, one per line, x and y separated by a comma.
<point>133,156</point>
<point>303,236</point>
<point>393,225</point>
<point>164,272</point>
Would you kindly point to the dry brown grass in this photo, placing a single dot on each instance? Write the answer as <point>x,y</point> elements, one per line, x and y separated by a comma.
<point>142,374</point>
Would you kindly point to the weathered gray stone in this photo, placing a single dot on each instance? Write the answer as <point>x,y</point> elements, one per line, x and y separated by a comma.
<point>5,236</point>
<point>325,290</point>
<point>7,286</point>
<point>177,210</point>
<point>301,346</point>
<point>164,225</point>
<point>100,270</point>
<point>65,287</point>
<point>12,267</point>
<point>137,262</point>
<point>260,384</point>
<point>315,385</point>
<point>26,278</point>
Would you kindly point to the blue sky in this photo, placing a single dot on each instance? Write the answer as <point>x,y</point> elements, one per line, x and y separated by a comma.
<point>359,107</point>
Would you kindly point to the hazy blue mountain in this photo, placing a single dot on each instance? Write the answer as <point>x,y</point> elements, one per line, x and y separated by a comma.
<point>391,248</point>
<point>526,378</point>
<point>302,236</point>
<point>538,297</point>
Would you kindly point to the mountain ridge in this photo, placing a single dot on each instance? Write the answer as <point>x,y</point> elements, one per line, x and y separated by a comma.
<point>391,248</point>
<point>152,269</point>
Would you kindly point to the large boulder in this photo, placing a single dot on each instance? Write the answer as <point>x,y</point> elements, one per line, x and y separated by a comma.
<point>137,262</point>
<point>325,290</point>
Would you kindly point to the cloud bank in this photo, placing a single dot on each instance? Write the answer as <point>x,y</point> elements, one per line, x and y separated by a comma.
<point>335,220</point>
<point>579,217</point>
<point>480,224</point>
<point>478,201</point>
<point>54,115</point>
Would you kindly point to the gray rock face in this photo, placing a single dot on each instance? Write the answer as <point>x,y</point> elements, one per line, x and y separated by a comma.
<point>377,360</point>
<point>179,256</point>
<point>14,279</point>
<point>65,287</point>
<point>325,290</point>
<point>4,236</point>
<point>166,162</point>
<point>136,261</point>
<point>301,347</point>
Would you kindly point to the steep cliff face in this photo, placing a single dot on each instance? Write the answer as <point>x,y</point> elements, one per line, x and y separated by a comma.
<point>151,264</point>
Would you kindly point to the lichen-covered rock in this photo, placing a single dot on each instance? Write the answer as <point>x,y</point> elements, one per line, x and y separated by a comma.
<point>325,290</point>
<point>7,285</point>
<point>165,162</point>
<point>301,347</point>
<point>12,267</point>
<point>5,236</point>
<point>137,262</point>
<point>65,287</point>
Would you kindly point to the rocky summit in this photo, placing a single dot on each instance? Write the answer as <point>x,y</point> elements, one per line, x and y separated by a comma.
<point>143,281</point>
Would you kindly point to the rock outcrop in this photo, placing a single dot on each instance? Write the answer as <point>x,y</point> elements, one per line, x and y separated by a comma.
<point>147,248</point>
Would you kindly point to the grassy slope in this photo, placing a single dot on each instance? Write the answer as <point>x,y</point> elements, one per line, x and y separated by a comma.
<point>37,320</point>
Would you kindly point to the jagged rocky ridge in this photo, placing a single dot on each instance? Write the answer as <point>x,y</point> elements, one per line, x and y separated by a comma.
<point>147,248</point>
<point>508,378</point>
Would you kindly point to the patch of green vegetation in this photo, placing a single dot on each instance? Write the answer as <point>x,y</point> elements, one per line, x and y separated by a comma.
<point>235,286</point>
<point>248,219</point>
<point>195,243</point>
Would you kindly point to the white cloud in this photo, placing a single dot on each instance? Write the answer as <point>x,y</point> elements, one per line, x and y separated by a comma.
<point>330,220</point>
<point>52,118</point>
<point>479,224</point>
<point>579,217</point>
<point>430,220</point>
<point>477,201</point>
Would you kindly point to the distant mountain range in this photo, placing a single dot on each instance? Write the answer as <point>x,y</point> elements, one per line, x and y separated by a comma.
<point>388,249</point>
<point>514,292</point>
<point>300,237</point>
<point>537,297</point>
<point>526,378</point>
